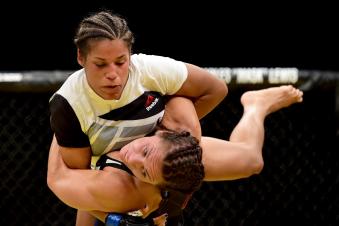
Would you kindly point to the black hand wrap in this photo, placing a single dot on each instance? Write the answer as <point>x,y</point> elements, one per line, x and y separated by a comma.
<point>173,202</point>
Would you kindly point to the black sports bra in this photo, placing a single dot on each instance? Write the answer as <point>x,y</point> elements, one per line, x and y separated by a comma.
<point>172,201</point>
<point>105,160</point>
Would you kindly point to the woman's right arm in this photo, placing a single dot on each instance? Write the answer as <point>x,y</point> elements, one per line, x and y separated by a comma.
<point>58,178</point>
<point>74,144</point>
<point>180,115</point>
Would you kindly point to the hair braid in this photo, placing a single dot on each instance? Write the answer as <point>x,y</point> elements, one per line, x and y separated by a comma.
<point>182,168</point>
<point>102,25</point>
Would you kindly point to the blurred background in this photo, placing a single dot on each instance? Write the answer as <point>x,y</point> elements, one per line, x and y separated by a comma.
<point>38,36</point>
<point>300,181</point>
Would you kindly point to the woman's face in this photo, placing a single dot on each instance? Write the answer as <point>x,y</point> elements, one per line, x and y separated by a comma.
<point>144,157</point>
<point>106,66</point>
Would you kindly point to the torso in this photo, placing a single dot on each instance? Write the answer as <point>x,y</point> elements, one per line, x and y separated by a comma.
<point>109,125</point>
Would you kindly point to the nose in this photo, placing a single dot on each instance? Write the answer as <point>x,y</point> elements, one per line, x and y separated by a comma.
<point>111,72</point>
<point>111,75</point>
<point>136,160</point>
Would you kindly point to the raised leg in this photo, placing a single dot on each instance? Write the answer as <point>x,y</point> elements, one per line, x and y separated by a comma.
<point>241,156</point>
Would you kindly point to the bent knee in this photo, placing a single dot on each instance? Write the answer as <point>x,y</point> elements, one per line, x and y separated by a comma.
<point>258,165</point>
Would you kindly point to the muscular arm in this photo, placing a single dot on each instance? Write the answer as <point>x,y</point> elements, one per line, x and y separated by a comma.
<point>75,148</point>
<point>180,115</point>
<point>76,158</point>
<point>60,159</point>
<point>74,144</point>
<point>97,190</point>
<point>206,89</point>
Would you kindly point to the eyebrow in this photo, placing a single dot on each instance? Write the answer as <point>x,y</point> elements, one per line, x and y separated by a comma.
<point>146,171</point>
<point>118,58</point>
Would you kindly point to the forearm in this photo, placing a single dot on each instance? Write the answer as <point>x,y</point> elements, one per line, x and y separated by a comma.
<point>75,190</point>
<point>207,102</point>
<point>180,115</point>
<point>70,186</point>
<point>215,92</point>
<point>89,189</point>
<point>204,89</point>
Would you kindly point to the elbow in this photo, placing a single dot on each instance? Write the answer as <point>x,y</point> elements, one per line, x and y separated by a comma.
<point>57,186</point>
<point>220,90</point>
<point>55,179</point>
<point>51,181</point>
<point>224,89</point>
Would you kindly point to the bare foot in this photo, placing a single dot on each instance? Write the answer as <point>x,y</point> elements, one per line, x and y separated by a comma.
<point>271,99</point>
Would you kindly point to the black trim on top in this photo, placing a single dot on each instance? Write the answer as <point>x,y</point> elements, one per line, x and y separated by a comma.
<point>102,163</point>
<point>140,108</point>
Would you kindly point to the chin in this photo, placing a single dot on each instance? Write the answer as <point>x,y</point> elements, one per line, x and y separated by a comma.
<point>112,97</point>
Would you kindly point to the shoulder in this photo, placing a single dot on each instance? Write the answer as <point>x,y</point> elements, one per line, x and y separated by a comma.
<point>72,92</point>
<point>141,58</point>
<point>60,107</point>
<point>72,85</point>
<point>157,66</point>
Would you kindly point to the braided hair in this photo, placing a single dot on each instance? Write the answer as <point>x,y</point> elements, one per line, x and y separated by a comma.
<point>182,166</point>
<point>102,25</point>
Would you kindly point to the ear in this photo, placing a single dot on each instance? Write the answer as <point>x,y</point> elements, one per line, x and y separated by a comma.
<point>80,58</point>
<point>161,220</point>
<point>145,211</point>
<point>148,209</point>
